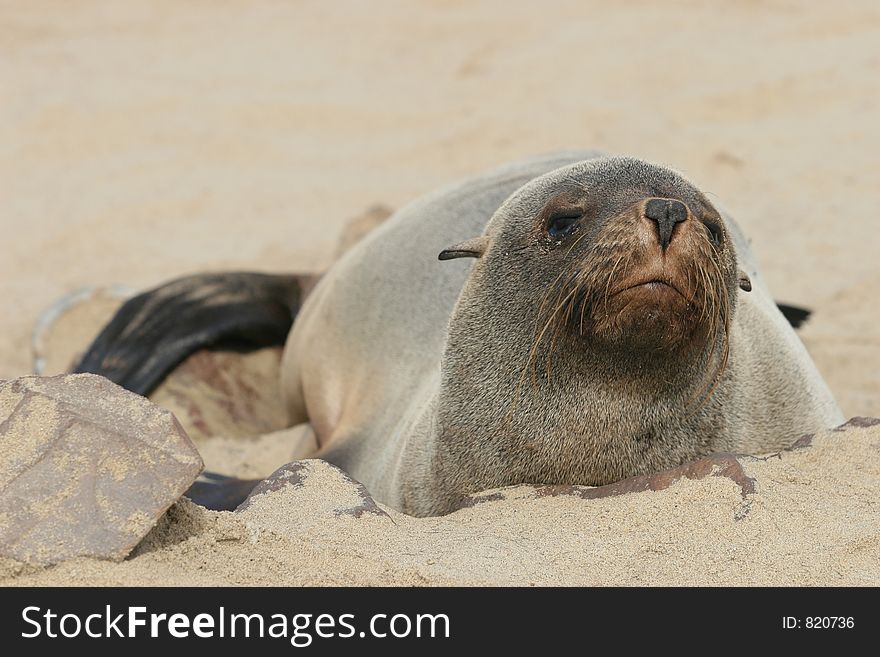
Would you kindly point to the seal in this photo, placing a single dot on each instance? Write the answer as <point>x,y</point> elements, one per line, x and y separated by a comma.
<point>589,319</point>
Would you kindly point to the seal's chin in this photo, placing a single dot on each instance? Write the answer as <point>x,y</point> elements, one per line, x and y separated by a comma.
<point>653,314</point>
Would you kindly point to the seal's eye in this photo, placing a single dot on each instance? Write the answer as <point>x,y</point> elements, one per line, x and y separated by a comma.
<point>563,223</point>
<point>714,231</point>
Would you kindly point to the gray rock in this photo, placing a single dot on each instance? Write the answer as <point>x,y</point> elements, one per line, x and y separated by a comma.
<point>86,468</point>
<point>307,495</point>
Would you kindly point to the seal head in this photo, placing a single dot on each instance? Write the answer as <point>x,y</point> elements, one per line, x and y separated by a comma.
<point>595,324</point>
<point>624,257</point>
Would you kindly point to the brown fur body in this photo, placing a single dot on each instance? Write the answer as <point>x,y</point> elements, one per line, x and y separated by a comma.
<point>617,345</point>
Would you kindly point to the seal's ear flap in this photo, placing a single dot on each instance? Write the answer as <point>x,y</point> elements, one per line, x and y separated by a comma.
<point>745,283</point>
<point>472,248</point>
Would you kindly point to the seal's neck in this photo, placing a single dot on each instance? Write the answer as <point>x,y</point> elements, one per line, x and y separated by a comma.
<point>508,415</point>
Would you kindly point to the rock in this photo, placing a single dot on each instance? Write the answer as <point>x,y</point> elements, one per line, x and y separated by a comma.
<point>86,468</point>
<point>305,493</point>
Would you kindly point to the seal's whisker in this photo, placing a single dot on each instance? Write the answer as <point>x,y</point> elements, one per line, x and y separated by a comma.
<point>707,312</point>
<point>534,349</point>
<point>719,328</point>
<point>564,305</point>
<point>558,290</point>
<point>584,304</point>
<point>550,289</point>
<point>611,278</point>
<point>554,290</point>
<point>576,242</point>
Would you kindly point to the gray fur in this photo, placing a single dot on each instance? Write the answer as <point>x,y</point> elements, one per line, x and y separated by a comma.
<point>410,369</point>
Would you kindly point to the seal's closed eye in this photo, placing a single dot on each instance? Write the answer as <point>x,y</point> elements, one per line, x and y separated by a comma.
<point>714,232</point>
<point>563,223</point>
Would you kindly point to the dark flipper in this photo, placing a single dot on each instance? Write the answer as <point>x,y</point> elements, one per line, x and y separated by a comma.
<point>219,492</point>
<point>795,315</point>
<point>154,331</point>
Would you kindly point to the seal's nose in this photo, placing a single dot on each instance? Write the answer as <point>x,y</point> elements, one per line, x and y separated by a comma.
<point>666,213</point>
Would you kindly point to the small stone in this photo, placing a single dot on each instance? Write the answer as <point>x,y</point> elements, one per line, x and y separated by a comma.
<point>305,493</point>
<point>86,468</point>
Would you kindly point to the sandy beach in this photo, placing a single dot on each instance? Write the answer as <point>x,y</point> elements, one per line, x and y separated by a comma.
<point>143,141</point>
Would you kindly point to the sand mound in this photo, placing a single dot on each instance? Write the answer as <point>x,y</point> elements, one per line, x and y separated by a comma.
<point>807,516</point>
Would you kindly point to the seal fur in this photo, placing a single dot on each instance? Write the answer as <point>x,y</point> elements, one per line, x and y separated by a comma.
<point>429,381</point>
